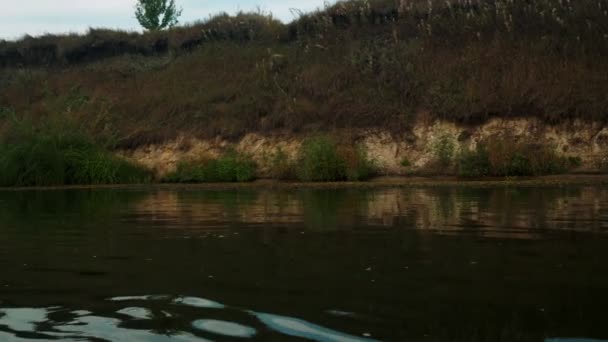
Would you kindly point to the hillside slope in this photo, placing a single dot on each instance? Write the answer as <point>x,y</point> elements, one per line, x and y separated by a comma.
<point>357,64</point>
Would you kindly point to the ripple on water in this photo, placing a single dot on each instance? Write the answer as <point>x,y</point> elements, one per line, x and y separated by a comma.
<point>224,328</point>
<point>137,313</point>
<point>110,329</point>
<point>133,298</point>
<point>85,324</point>
<point>198,303</point>
<point>300,328</point>
<point>22,319</point>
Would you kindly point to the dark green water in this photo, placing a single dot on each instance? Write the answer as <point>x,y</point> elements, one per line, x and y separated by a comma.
<point>419,264</point>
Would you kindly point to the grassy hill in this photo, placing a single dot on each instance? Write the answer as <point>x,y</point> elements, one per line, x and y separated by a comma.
<point>370,64</point>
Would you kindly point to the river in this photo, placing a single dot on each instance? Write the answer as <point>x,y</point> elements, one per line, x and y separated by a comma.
<point>428,263</point>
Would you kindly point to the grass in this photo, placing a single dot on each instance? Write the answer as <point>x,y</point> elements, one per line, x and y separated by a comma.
<point>504,157</point>
<point>443,149</point>
<point>405,162</point>
<point>321,159</point>
<point>230,167</point>
<point>356,64</point>
<point>56,152</point>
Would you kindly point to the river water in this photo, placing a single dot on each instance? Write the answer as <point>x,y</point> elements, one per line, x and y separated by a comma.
<point>390,264</point>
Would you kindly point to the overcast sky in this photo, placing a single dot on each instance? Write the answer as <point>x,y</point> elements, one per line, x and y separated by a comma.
<point>35,17</point>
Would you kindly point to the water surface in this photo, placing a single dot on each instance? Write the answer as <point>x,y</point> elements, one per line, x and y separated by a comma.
<point>415,264</point>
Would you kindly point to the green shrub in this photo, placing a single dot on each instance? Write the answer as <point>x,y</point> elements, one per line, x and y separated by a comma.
<point>322,160</point>
<point>55,152</point>
<point>319,161</point>
<point>443,148</point>
<point>405,162</point>
<point>504,157</point>
<point>473,164</point>
<point>231,167</point>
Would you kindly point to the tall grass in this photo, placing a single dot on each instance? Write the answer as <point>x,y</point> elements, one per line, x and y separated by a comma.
<point>57,153</point>
<point>444,148</point>
<point>507,157</point>
<point>230,167</point>
<point>321,159</point>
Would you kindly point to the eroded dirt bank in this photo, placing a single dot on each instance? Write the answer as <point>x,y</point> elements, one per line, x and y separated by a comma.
<point>584,140</point>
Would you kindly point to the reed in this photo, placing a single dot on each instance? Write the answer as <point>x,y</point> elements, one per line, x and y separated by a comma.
<point>55,152</point>
<point>230,167</point>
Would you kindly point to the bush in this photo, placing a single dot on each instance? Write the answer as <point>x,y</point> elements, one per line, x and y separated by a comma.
<point>322,160</point>
<point>505,157</point>
<point>443,149</point>
<point>319,161</point>
<point>231,167</point>
<point>58,153</point>
<point>474,164</point>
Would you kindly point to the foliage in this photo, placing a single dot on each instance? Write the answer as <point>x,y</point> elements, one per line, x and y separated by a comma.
<point>57,152</point>
<point>443,148</point>
<point>475,163</point>
<point>405,162</point>
<point>157,14</point>
<point>230,167</point>
<point>507,157</point>
<point>359,64</point>
<point>321,160</point>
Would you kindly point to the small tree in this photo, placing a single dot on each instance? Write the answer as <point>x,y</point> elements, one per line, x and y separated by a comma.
<point>156,15</point>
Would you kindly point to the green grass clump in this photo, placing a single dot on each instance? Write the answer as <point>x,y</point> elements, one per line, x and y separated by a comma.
<point>57,153</point>
<point>231,167</point>
<point>474,164</point>
<point>321,159</point>
<point>502,158</point>
<point>443,149</point>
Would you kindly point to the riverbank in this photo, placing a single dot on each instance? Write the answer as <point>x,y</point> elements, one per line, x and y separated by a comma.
<point>377,182</point>
<point>376,65</point>
<point>430,148</point>
<point>346,93</point>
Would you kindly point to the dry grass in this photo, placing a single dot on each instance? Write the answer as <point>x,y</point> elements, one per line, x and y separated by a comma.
<point>355,64</point>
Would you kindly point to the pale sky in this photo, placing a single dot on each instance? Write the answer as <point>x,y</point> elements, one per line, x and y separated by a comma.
<point>36,17</point>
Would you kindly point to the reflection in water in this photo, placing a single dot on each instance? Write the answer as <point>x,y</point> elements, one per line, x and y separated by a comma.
<point>513,212</point>
<point>395,264</point>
